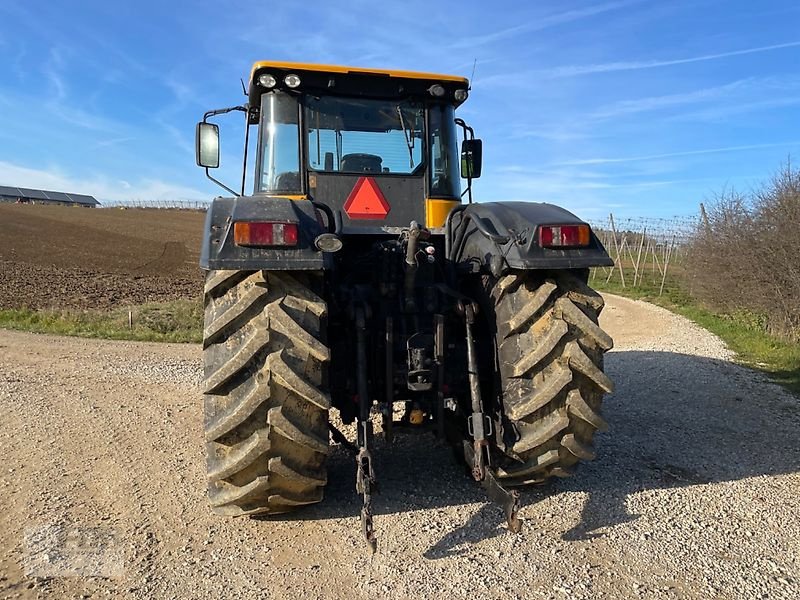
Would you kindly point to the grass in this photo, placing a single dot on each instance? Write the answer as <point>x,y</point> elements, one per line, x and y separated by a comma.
<point>177,321</point>
<point>182,321</point>
<point>742,332</point>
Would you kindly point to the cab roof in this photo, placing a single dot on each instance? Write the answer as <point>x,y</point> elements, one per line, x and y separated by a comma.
<point>359,70</point>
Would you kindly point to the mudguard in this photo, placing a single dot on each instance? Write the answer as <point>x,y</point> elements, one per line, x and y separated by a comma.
<point>505,235</point>
<point>220,252</point>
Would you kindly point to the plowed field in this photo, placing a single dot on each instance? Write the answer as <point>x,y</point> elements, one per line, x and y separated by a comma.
<point>64,257</point>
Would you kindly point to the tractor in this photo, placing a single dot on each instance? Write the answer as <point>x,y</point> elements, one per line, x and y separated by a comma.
<point>359,276</point>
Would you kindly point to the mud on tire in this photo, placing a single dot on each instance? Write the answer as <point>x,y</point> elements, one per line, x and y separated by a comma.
<point>266,404</point>
<point>550,353</point>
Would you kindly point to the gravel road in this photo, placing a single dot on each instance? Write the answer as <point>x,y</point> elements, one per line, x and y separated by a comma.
<point>695,492</point>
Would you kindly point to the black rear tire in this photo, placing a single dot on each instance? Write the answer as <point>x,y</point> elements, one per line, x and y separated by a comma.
<point>266,404</point>
<point>550,359</point>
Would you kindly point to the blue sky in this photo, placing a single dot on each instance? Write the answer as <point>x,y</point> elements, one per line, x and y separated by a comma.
<point>643,108</point>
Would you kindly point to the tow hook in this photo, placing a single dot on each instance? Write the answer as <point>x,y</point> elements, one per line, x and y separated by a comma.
<point>507,499</point>
<point>366,485</point>
<point>365,474</point>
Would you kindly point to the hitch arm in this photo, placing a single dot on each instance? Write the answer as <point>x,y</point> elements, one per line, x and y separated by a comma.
<point>507,499</point>
<point>366,483</point>
<point>479,424</point>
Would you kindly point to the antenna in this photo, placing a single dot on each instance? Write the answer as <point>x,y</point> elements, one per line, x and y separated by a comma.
<point>244,89</point>
<point>472,77</point>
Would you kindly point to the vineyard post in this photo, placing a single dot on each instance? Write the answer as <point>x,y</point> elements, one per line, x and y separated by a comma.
<point>639,257</point>
<point>616,245</point>
<point>666,264</point>
<point>704,216</point>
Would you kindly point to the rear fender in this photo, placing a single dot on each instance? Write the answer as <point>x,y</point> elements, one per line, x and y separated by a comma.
<point>220,252</point>
<point>505,235</point>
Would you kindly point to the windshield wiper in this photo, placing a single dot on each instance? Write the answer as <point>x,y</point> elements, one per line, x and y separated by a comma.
<point>409,135</point>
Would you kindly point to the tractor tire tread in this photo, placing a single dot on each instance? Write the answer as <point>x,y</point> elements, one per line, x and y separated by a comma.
<point>550,356</point>
<point>266,421</point>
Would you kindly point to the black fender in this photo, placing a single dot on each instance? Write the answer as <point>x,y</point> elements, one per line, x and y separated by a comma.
<point>500,236</point>
<point>220,252</point>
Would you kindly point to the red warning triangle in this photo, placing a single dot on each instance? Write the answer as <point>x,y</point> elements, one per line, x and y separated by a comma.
<point>366,201</point>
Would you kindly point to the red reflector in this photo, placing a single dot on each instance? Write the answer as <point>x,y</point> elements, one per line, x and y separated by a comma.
<point>558,236</point>
<point>290,234</point>
<point>366,201</point>
<point>247,233</point>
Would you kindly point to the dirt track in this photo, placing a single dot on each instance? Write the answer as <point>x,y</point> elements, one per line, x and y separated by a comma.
<point>695,492</point>
<point>57,257</point>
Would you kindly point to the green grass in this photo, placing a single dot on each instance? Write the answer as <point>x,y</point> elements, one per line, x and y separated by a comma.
<point>182,321</point>
<point>742,332</point>
<point>178,321</point>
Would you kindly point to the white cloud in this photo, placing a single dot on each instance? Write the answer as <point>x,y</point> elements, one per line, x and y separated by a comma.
<point>541,23</point>
<point>709,94</point>
<point>724,112</point>
<point>529,78</point>
<point>573,70</point>
<point>604,160</point>
<point>113,142</point>
<point>102,188</point>
<point>51,70</point>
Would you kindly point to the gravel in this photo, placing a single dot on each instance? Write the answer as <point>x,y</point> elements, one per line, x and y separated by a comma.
<point>694,493</point>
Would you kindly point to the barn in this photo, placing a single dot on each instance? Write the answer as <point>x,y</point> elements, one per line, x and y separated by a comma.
<point>29,196</point>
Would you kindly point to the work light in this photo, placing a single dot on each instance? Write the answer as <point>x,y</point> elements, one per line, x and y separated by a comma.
<point>292,80</point>
<point>267,80</point>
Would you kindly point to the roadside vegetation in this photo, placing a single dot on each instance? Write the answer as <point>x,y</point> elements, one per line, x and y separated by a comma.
<point>745,255</point>
<point>176,321</point>
<point>739,276</point>
<point>743,332</point>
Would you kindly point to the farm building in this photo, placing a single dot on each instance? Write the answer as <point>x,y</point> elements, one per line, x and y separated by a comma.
<point>29,196</point>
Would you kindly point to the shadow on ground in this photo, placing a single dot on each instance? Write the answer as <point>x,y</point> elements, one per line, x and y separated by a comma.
<point>676,420</point>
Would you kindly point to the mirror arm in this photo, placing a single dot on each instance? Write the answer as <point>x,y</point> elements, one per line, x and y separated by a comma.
<point>246,146</point>
<point>466,128</point>
<point>220,184</point>
<point>212,113</point>
<point>222,111</point>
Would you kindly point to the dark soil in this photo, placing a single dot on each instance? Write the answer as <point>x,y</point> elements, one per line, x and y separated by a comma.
<point>65,257</point>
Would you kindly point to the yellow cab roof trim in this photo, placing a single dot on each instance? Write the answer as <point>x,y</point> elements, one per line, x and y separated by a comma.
<point>342,69</point>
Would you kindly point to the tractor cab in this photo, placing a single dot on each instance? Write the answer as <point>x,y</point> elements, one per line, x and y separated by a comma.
<point>379,148</point>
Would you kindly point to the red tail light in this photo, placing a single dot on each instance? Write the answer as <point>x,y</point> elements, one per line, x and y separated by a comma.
<point>248,233</point>
<point>561,236</point>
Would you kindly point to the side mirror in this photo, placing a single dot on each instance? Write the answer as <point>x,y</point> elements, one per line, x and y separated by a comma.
<point>471,158</point>
<point>207,145</point>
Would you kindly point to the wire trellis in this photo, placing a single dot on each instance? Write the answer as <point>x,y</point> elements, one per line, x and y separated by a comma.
<point>644,249</point>
<point>169,204</point>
